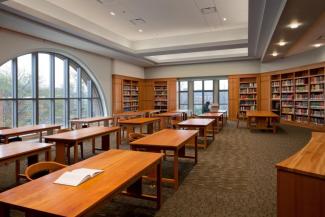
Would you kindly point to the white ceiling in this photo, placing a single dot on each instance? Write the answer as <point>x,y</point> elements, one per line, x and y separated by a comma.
<point>171,26</point>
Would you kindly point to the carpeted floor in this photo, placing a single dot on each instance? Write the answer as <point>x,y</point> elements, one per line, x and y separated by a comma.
<point>235,177</point>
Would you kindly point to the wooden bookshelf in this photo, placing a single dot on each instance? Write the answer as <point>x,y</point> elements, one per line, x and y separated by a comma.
<point>248,94</point>
<point>298,96</point>
<point>130,100</point>
<point>161,95</point>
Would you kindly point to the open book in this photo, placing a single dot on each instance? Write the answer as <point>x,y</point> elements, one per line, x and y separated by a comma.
<point>77,176</point>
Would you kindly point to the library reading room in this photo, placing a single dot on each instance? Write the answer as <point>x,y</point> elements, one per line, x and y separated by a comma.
<point>162,108</point>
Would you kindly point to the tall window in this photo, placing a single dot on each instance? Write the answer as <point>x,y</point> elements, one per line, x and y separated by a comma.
<point>183,94</point>
<point>223,94</point>
<point>44,88</point>
<point>203,92</point>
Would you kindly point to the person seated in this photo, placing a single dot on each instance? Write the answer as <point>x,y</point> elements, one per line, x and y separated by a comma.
<point>206,107</point>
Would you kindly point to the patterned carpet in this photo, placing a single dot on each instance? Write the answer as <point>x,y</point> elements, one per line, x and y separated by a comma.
<point>235,177</point>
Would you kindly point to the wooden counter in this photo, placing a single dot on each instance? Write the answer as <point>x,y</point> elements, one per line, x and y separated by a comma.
<point>301,181</point>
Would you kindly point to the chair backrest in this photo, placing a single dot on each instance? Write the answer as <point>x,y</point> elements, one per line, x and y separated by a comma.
<point>41,169</point>
<point>135,136</point>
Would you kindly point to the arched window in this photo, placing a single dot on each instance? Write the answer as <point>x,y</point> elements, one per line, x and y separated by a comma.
<point>44,88</point>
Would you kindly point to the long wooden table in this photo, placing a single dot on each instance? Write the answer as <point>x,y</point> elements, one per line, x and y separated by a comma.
<point>217,116</point>
<point>184,113</point>
<point>16,151</point>
<point>122,170</point>
<point>7,133</point>
<point>301,181</point>
<point>264,120</point>
<point>150,112</point>
<point>130,114</point>
<point>166,118</point>
<point>169,139</point>
<point>202,124</point>
<point>130,124</point>
<point>79,123</point>
<point>76,136</point>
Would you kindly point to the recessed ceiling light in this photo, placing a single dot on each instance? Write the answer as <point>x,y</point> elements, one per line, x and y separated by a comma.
<point>282,43</point>
<point>275,53</point>
<point>317,45</point>
<point>140,30</point>
<point>294,25</point>
<point>112,13</point>
<point>224,19</point>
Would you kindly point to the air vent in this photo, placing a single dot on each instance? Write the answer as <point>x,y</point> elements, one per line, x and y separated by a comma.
<point>138,21</point>
<point>208,10</point>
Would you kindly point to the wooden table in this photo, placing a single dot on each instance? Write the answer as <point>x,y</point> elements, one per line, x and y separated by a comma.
<point>301,181</point>
<point>122,170</point>
<point>264,120</point>
<point>184,113</point>
<point>150,112</point>
<point>169,139</point>
<point>203,124</point>
<point>166,118</point>
<point>225,114</point>
<point>76,136</point>
<point>6,133</point>
<point>128,115</point>
<point>16,151</point>
<point>79,123</point>
<point>217,117</point>
<point>130,124</point>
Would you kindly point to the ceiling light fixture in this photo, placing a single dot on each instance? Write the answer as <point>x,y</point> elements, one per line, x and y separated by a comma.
<point>317,45</point>
<point>140,30</point>
<point>112,13</point>
<point>224,19</point>
<point>275,53</point>
<point>294,25</point>
<point>282,43</point>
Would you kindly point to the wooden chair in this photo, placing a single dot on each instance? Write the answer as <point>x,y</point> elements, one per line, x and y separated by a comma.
<point>241,116</point>
<point>40,169</point>
<point>135,136</point>
<point>69,146</point>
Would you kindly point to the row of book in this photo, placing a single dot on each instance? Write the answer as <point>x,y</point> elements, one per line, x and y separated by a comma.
<point>247,90</point>
<point>248,96</point>
<point>301,111</point>
<point>319,113</point>
<point>315,87</point>
<point>275,96</point>
<point>317,105</point>
<point>287,89</point>
<point>316,80</point>
<point>318,96</point>
<point>245,108</point>
<point>287,103</point>
<point>275,83</point>
<point>319,121</point>
<point>247,103</point>
<point>301,81</point>
<point>249,85</point>
<point>287,110</point>
<point>287,82</point>
<point>302,104</point>
<point>301,89</point>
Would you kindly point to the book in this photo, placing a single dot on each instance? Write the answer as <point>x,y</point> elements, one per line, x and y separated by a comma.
<point>77,176</point>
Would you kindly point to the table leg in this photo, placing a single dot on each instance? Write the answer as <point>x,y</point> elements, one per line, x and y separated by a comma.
<point>40,136</point>
<point>5,140</point>
<point>4,211</point>
<point>106,142</point>
<point>75,152</point>
<point>48,155</point>
<point>176,169</point>
<point>205,136</point>
<point>217,125</point>
<point>106,124</point>
<point>150,127</point>
<point>59,153</point>
<point>195,149</point>
<point>118,139</point>
<point>213,136</point>
<point>17,171</point>
<point>158,185</point>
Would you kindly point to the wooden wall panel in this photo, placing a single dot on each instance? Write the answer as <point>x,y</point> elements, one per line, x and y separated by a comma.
<point>171,94</point>
<point>265,92</point>
<point>117,95</point>
<point>233,96</point>
<point>148,94</point>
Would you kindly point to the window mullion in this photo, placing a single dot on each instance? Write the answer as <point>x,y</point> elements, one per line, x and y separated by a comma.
<point>79,91</point>
<point>35,88</point>
<point>52,87</point>
<point>15,93</point>
<point>66,92</point>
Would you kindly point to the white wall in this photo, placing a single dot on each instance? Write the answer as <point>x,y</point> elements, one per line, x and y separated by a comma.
<point>203,69</point>
<point>127,69</point>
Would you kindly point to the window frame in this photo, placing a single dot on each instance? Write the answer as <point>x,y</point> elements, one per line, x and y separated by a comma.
<point>183,91</point>
<point>35,99</point>
<point>224,91</point>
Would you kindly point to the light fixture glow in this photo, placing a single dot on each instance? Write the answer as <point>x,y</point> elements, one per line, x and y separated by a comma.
<point>294,25</point>
<point>140,30</point>
<point>275,53</point>
<point>112,13</point>
<point>317,45</point>
<point>224,19</point>
<point>282,43</point>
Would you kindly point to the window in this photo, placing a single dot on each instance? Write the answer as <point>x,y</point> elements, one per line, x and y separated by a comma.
<point>183,94</point>
<point>203,92</point>
<point>45,88</point>
<point>223,94</point>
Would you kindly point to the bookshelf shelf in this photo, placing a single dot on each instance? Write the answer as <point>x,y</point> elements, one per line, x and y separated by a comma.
<point>299,96</point>
<point>161,95</point>
<point>130,95</point>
